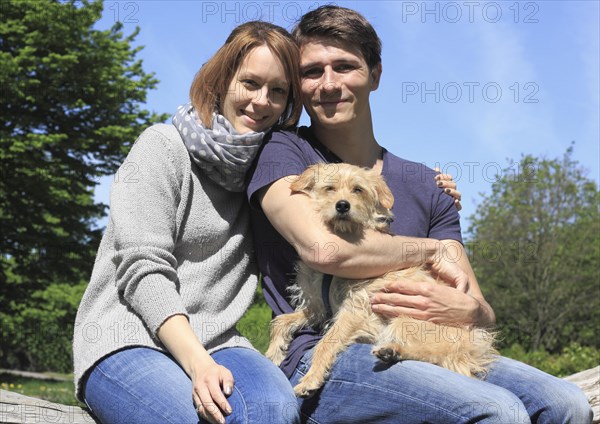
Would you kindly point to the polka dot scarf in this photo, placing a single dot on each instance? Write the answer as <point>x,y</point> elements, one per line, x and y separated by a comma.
<point>222,154</point>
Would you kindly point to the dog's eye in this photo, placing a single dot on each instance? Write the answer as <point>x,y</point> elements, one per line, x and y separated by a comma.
<point>329,188</point>
<point>357,190</point>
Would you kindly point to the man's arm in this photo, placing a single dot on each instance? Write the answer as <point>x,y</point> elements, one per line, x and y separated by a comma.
<point>294,217</point>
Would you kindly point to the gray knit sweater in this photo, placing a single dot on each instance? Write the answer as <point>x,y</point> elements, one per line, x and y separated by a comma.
<point>176,243</point>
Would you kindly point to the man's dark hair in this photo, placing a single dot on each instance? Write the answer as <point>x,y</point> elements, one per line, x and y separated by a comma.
<point>341,24</point>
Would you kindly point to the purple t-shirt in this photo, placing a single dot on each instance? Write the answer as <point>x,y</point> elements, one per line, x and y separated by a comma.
<point>421,209</point>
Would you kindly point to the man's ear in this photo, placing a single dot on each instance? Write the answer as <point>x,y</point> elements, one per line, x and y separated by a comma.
<point>376,76</point>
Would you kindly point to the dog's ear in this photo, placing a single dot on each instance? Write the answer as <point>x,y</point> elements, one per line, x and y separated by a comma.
<point>386,198</point>
<point>306,181</point>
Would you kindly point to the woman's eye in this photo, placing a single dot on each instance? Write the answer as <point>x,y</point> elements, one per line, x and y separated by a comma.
<point>280,90</point>
<point>250,84</point>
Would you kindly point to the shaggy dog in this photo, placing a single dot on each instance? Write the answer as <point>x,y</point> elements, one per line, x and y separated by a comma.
<point>351,199</point>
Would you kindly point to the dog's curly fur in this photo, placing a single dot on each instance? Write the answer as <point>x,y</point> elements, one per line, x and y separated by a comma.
<point>351,199</point>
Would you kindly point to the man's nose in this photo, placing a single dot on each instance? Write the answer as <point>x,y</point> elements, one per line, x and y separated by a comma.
<point>329,81</point>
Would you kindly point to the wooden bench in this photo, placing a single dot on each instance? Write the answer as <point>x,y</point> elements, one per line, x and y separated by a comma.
<point>17,408</point>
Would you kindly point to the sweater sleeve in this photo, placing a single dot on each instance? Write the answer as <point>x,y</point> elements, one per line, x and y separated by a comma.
<point>145,196</point>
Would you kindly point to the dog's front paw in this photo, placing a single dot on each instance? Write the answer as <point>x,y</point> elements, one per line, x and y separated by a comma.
<point>307,387</point>
<point>304,392</point>
<point>388,353</point>
<point>275,354</point>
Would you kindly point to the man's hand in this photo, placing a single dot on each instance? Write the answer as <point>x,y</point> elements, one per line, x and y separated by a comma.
<point>462,302</point>
<point>426,301</point>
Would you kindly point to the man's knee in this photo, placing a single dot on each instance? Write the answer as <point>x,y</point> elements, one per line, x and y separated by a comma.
<point>568,405</point>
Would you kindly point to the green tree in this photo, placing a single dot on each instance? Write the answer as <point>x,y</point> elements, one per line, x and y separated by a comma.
<point>70,110</point>
<point>535,247</point>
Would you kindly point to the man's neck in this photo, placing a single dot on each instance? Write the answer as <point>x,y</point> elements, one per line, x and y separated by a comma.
<point>353,145</point>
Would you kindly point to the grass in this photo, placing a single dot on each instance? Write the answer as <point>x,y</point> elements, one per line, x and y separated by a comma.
<point>51,390</point>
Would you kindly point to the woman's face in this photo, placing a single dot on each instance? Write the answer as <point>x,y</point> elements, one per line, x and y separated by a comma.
<point>258,92</point>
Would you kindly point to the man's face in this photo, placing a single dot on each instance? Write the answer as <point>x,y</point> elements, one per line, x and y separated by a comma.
<point>336,83</point>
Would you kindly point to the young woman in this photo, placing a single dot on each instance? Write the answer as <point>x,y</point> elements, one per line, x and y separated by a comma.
<point>155,337</point>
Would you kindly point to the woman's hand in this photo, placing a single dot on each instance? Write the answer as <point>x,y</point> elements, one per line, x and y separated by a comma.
<point>426,301</point>
<point>211,384</point>
<point>446,182</point>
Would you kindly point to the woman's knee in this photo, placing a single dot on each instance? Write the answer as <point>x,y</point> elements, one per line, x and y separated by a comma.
<point>139,386</point>
<point>270,405</point>
<point>262,393</point>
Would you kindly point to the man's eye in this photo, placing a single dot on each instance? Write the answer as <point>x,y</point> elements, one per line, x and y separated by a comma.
<point>344,67</point>
<point>312,73</point>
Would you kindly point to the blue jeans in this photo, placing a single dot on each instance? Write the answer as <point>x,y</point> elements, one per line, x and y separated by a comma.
<point>361,389</point>
<point>145,386</point>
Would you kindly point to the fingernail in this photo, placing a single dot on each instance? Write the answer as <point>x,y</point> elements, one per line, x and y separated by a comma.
<point>228,390</point>
<point>447,190</point>
<point>439,183</point>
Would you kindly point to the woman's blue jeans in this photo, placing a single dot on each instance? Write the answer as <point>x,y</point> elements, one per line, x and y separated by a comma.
<point>361,389</point>
<point>145,386</point>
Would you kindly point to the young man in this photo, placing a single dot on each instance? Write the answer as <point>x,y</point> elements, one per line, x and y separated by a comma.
<point>340,67</point>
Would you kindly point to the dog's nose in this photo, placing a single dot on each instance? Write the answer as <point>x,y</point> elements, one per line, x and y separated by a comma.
<point>342,206</point>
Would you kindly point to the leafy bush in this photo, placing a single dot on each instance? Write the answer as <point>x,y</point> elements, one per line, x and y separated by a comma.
<point>572,359</point>
<point>39,336</point>
<point>254,325</point>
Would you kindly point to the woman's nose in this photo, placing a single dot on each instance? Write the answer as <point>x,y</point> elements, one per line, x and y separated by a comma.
<point>261,97</point>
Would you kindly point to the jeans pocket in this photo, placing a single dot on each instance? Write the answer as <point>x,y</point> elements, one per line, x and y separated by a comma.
<point>305,362</point>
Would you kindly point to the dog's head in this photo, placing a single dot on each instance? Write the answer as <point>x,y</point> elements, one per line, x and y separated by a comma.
<point>348,197</point>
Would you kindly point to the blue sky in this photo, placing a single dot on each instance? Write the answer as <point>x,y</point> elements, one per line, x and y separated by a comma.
<point>465,85</point>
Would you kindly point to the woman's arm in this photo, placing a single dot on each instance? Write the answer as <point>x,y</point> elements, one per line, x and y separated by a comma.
<point>211,382</point>
<point>371,256</point>
<point>144,205</point>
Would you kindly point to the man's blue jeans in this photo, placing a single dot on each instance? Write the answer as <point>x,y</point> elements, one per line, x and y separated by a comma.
<point>361,389</point>
<point>145,386</point>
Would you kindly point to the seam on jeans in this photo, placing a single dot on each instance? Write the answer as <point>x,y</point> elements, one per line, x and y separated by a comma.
<point>126,389</point>
<point>246,417</point>
<point>311,420</point>
<point>381,389</point>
